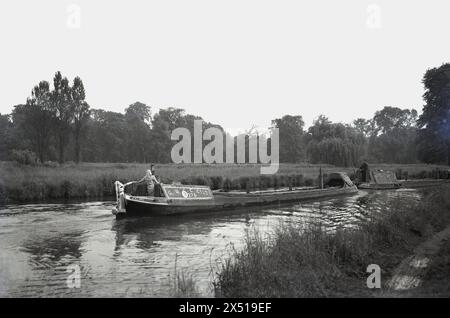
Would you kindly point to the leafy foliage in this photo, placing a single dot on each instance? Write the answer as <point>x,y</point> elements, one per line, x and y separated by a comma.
<point>57,124</point>
<point>434,137</point>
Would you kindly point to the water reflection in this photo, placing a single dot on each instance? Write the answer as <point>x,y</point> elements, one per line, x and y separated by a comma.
<point>52,251</point>
<point>136,256</point>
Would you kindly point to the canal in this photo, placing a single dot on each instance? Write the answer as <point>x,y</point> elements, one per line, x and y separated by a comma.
<point>137,257</point>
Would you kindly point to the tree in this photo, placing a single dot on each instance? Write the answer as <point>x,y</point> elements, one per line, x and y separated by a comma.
<point>393,137</point>
<point>390,118</point>
<point>431,148</point>
<point>174,117</point>
<point>6,127</point>
<point>80,112</point>
<point>291,133</point>
<point>33,121</point>
<point>163,123</point>
<point>395,146</point>
<point>106,137</point>
<point>160,142</point>
<point>435,119</point>
<point>61,104</point>
<point>364,126</point>
<point>335,143</point>
<point>138,117</point>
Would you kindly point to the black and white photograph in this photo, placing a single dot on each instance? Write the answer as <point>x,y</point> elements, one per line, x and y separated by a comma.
<point>236,151</point>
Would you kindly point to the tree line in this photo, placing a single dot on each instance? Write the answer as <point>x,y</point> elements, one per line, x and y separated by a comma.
<point>57,124</point>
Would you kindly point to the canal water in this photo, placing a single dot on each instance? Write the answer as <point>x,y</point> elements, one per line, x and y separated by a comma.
<point>42,246</point>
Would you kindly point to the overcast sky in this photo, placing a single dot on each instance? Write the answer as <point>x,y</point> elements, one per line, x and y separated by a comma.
<point>236,62</point>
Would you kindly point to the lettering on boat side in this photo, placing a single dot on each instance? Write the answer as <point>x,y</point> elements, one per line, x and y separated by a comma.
<point>213,152</point>
<point>187,192</point>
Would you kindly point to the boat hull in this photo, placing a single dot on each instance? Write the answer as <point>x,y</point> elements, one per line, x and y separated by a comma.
<point>139,208</point>
<point>423,183</point>
<point>228,201</point>
<point>404,184</point>
<point>375,186</point>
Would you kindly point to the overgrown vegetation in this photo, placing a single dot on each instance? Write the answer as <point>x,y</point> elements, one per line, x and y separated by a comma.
<point>25,183</point>
<point>20,183</point>
<point>182,284</point>
<point>25,157</point>
<point>309,261</point>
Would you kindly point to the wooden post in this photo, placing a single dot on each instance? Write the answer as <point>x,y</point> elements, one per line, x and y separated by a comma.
<point>320,178</point>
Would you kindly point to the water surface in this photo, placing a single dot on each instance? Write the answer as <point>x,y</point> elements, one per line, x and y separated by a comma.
<point>138,256</point>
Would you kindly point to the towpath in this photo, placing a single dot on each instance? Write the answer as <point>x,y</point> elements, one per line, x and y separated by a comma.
<point>410,273</point>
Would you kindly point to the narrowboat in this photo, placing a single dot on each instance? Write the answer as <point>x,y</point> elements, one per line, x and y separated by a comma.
<point>171,199</point>
<point>377,179</point>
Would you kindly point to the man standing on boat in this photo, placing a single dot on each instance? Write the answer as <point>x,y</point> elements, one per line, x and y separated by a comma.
<point>150,180</point>
<point>365,172</point>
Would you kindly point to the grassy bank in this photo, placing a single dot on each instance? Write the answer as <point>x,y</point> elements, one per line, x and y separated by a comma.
<point>436,282</point>
<point>23,183</point>
<point>306,261</point>
<point>181,284</point>
<point>20,183</point>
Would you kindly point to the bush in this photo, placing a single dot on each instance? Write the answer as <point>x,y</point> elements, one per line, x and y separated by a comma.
<point>227,185</point>
<point>235,184</point>
<point>266,182</point>
<point>255,183</point>
<point>309,182</point>
<point>25,157</point>
<point>299,180</point>
<point>405,175</point>
<point>420,175</point>
<point>66,189</point>
<point>70,164</point>
<point>216,182</point>
<point>243,181</point>
<point>51,164</point>
<point>2,193</point>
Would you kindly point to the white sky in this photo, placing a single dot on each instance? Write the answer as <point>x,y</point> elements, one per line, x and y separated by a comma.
<point>234,62</point>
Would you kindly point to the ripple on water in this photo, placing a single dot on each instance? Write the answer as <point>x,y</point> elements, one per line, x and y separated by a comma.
<point>138,257</point>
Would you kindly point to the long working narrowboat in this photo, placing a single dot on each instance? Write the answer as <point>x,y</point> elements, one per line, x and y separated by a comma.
<point>179,199</point>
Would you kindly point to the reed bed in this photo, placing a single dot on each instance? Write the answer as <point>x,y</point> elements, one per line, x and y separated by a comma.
<point>21,183</point>
<point>27,183</point>
<point>308,261</point>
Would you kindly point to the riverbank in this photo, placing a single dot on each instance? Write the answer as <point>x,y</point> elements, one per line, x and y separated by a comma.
<point>307,261</point>
<point>436,281</point>
<point>413,271</point>
<point>24,183</point>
